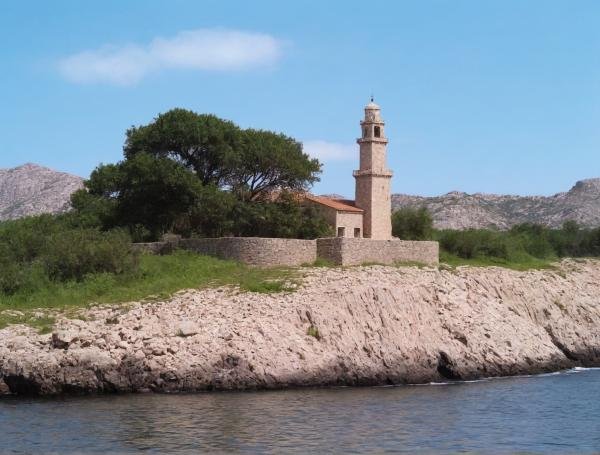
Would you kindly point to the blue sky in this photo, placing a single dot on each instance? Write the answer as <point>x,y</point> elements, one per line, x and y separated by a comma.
<point>478,96</point>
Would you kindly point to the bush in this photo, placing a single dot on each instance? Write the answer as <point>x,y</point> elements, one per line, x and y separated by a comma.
<point>21,241</point>
<point>38,249</point>
<point>73,254</point>
<point>534,239</point>
<point>474,243</point>
<point>522,242</point>
<point>15,277</point>
<point>412,224</point>
<point>282,219</point>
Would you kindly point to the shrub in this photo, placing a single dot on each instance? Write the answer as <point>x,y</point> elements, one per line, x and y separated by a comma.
<point>75,253</point>
<point>473,243</point>
<point>313,331</point>
<point>38,249</point>
<point>15,277</point>
<point>412,224</point>
<point>534,239</point>
<point>282,219</point>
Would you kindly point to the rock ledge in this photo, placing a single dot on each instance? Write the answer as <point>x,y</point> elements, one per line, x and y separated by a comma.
<point>375,325</point>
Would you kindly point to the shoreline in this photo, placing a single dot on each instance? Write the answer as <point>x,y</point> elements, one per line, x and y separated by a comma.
<point>369,326</point>
<point>458,382</point>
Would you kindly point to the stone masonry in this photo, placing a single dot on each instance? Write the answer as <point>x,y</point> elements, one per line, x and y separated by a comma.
<point>363,227</point>
<point>345,251</point>
<point>256,251</point>
<point>267,252</point>
<point>373,177</point>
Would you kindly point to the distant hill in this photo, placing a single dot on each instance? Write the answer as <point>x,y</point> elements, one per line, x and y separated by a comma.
<point>457,210</point>
<point>31,189</point>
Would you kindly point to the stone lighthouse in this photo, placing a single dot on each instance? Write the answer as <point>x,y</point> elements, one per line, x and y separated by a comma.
<point>373,177</point>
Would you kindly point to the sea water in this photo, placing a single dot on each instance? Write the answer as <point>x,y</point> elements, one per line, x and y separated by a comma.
<point>555,413</point>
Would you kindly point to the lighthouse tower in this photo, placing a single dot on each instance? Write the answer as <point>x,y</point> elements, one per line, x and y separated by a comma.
<point>373,177</point>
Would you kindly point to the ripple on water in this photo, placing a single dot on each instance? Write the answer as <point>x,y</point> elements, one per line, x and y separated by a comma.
<point>550,413</point>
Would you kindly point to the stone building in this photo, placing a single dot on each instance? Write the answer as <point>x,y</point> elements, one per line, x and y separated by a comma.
<point>343,215</point>
<point>369,215</point>
<point>363,227</point>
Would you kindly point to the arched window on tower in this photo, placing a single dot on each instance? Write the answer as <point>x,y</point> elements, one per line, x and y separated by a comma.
<point>377,131</point>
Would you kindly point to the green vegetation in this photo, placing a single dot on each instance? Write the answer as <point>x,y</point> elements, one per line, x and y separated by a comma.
<point>183,173</point>
<point>156,277</point>
<point>525,246</point>
<point>38,251</point>
<point>321,262</point>
<point>417,264</point>
<point>313,332</point>
<point>412,224</point>
<point>199,175</point>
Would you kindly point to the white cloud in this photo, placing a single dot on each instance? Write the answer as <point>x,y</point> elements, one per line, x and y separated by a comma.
<point>203,49</point>
<point>330,151</point>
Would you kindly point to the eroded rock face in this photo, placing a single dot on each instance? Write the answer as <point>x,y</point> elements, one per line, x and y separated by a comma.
<point>375,325</point>
<point>456,210</point>
<point>31,189</point>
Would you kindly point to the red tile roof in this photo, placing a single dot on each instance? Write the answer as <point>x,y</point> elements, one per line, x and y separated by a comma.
<point>341,205</point>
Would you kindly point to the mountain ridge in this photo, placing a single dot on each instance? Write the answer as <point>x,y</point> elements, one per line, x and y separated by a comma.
<point>459,210</point>
<point>31,189</point>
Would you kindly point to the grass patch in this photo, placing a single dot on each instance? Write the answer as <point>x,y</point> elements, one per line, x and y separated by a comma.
<point>370,263</point>
<point>320,262</point>
<point>525,262</point>
<point>43,324</point>
<point>158,277</point>
<point>313,332</point>
<point>417,264</point>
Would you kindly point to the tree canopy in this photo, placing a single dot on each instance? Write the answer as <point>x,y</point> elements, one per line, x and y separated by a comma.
<point>143,192</point>
<point>249,162</point>
<point>197,174</point>
<point>269,161</point>
<point>412,224</point>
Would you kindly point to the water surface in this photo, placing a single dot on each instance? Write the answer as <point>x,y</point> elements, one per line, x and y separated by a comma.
<point>558,413</point>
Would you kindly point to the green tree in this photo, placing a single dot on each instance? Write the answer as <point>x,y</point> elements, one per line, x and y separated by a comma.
<point>200,175</point>
<point>535,239</point>
<point>146,194</point>
<point>284,218</point>
<point>567,241</point>
<point>248,162</point>
<point>271,161</point>
<point>211,215</point>
<point>473,243</point>
<point>204,143</point>
<point>38,249</point>
<point>412,224</point>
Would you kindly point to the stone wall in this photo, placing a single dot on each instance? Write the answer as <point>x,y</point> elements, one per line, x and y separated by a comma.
<point>266,252</point>
<point>349,221</point>
<point>346,251</point>
<point>257,251</point>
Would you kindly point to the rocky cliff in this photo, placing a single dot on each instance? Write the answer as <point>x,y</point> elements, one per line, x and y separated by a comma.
<point>31,189</point>
<point>365,325</point>
<point>457,210</point>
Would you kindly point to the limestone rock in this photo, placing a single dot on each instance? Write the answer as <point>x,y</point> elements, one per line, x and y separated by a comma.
<point>375,325</point>
<point>31,189</point>
<point>61,339</point>
<point>187,329</point>
<point>456,210</point>
<point>4,389</point>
